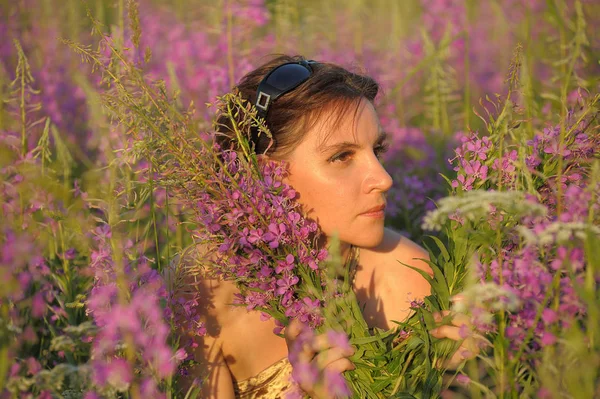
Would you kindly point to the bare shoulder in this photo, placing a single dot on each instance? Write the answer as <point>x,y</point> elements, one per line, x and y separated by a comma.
<point>390,259</point>
<point>213,295</point>
<point>398,250</point>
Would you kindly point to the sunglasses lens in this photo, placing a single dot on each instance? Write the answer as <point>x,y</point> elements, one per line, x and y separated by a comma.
<point>288,76</point>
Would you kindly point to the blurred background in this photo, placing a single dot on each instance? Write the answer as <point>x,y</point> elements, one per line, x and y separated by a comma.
<point>439,63</point>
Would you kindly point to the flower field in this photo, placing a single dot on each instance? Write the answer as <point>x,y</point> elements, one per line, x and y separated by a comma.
<point>108,181</point>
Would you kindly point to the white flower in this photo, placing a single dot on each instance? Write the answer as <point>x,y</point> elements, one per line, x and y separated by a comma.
<point>559,233</point>
<point>475,206</point>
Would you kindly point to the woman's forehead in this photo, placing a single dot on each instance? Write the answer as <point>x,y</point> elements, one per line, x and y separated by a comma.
<point>356,125</point>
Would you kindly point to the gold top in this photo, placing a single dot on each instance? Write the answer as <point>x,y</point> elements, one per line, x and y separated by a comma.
<point>271,383</point>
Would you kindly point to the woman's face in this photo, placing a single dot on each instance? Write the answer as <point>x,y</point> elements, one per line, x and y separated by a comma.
<point>339,178</point>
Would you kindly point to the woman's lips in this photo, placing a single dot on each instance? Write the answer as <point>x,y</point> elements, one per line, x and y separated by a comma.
<point>375,212</point>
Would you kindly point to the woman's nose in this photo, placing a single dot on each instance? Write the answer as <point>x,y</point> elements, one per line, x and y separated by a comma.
<point>377,178</point>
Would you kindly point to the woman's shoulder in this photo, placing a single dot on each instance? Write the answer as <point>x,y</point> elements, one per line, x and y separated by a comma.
<point>385,284</point>
<point>189,272</point>
<point>394,254</point>
<point>396,249</point>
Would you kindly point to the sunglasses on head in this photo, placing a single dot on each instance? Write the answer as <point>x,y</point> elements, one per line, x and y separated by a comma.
<point>281,80</point>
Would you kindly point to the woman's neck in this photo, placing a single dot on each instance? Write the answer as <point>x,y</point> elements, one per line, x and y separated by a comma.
<point>345,251</point>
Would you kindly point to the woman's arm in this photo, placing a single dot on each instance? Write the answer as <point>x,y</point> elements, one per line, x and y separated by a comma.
<point>210,372</point>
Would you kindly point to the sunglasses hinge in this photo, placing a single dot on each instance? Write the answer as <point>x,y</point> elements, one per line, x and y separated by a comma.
<point>263,100</point>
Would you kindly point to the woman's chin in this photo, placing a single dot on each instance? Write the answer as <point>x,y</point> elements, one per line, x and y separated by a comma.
<point>370,238</point>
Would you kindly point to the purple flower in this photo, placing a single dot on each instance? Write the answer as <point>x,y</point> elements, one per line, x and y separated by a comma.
<point>336,384</point>
<point>254,299</point>
<point>549,316</point>
<point>33,366</point>
<point>103,232</point>
<point>265,271</point>
<point>38,306</point>
<point>547,339</point>
<point>305,373</point>
<point>339,340</point>
<point>287,265</point>
<point>463,379</point>
<point>285,284</point>
<point>255,236</point>
<point>275,234</point>
<point>148,389</point>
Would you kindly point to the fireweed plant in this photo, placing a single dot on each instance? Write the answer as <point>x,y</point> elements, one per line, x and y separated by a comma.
<point>525,215</point>
<point>42,253</point>
<point>61,247</point>
<point>74,293</point>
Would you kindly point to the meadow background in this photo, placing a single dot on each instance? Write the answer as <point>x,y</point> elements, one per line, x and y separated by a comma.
<point>493,95</point>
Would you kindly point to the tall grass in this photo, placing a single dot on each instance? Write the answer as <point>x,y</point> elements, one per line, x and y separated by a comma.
<point>85,225</point>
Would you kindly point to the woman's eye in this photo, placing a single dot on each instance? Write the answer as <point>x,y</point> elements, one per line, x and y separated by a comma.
<point>341,157</point>
<point>381,149</point>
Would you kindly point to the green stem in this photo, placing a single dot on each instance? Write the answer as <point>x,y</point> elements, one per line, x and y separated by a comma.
<point>467,59</point>
<point>23,116</point>
<point>122,281</point>
<point>153,215</point>
<point>502,324</point>
<point>230,65</point>
<point>401,377</point>
<point>4,361</point>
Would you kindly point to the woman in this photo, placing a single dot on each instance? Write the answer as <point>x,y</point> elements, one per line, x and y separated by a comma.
<point>325,127</point>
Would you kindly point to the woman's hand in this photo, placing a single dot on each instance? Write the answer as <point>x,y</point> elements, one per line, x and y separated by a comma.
<point>318,361</point>
<point>459,329</point>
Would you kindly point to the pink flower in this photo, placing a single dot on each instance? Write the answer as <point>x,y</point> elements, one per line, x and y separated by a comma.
<point>33,366</point>
<point>544,393</point>
<point>547,339</point>
<point>181,354</point>
<point>38,305</point>
<point>549,316</point>
<point>275,234</point>
<point>305,373</point>
<point>339,340</point>
<point>336,384</point>
<point>287,265</point>
<point>285,283</point>
<point>463,379</point>
<point>119,373</point>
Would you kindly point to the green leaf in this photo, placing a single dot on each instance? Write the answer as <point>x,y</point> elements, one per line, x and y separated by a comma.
<point>379,385</point>
<point>438,283</point>
<point>442,248</point>
<point>403,395</point>
<point>433,384</point>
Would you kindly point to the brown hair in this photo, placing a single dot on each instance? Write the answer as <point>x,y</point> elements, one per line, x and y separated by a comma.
<point>329,88</point>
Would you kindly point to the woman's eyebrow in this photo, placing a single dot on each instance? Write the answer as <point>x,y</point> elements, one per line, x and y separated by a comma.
<point>348,145</point>
<point>344,145</point>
